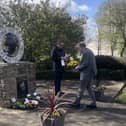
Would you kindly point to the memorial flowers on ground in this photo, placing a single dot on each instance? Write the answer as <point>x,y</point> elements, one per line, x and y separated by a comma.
<point>30,102</point>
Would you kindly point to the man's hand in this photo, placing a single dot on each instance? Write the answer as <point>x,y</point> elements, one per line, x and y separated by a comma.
<point>76,69</point>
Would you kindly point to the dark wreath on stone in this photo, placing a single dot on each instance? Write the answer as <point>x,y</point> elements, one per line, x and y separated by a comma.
<point>11,45</point>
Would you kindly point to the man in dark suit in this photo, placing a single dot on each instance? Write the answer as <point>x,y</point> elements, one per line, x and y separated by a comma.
<point>88,71</point>
<point>58,55</point>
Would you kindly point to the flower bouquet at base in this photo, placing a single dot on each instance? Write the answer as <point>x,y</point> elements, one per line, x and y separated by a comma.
<point>30,102</point>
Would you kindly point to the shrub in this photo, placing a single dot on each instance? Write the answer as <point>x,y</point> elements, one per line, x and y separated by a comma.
<point>122,98</point>
<point>108,74</point>
<point>44,65</point>
<point>109,68</point>
<point>110,62</point>
<point>49,75</point>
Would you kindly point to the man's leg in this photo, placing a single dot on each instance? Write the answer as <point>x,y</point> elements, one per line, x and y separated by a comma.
<point>58,78</point>
<point>91,93</point>
<point>57,82</point>
<point>83,86</point>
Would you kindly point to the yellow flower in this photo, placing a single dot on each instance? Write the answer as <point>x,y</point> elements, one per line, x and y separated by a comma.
<point>56,114</point>
<point>73,64</point>
<point>29,105</point>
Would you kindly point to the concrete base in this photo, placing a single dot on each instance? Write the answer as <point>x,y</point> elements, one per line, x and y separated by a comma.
<point>16,80</point>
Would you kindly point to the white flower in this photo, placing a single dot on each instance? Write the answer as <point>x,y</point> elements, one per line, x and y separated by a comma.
<point>34,102</point>
<point>28,95</point>
<point>35,94</point>
<point>26,101</point>
<point>38,97</point>
<point>13,100</point>
<point>71,58</point>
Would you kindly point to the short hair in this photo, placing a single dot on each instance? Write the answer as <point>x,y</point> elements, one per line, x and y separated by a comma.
<point>82,44</point>
<point>59,41</point>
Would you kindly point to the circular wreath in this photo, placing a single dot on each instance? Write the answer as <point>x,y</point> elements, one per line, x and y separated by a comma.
<point>11,45</point>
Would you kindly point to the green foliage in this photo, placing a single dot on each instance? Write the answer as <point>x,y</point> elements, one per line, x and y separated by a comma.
<point>108,74</point>
<point>41,26</point>
<point>44,65</point>
<point>110,62</point>
<point>111,19</point>
<point>49,75</point>
<point>109,68</point>
<point>122,98</point>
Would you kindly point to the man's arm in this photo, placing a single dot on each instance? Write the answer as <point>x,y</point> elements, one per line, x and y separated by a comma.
<point>84,62</point>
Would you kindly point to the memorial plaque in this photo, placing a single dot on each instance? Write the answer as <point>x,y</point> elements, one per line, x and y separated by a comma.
<point>22,88</point>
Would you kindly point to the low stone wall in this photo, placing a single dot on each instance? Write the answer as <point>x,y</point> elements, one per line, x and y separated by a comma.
<point>11,75</point>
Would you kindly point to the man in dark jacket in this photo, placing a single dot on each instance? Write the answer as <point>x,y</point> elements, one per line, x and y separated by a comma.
<point>58,55</point>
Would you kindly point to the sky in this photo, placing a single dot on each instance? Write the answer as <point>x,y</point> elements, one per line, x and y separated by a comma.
<point>92,5</point>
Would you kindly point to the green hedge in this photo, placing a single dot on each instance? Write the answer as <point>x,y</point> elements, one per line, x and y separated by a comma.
<point>49,75</point>
<point>107,74</point>
<point>109,68</point>
<point>103,62</point>
<point>44,65</point>
<point>110,62</point>
<point>122,98</point>
<point>103,74</point>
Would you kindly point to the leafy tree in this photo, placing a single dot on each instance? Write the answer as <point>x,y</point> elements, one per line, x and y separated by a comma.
<point>41,26</point>
<point>112,17</point>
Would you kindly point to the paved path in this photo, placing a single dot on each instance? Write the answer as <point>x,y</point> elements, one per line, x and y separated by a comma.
<point>107,114</point>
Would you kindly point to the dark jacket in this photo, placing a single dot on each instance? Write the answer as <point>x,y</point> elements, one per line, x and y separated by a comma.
<point>57,53</point>
<point>88,64</point>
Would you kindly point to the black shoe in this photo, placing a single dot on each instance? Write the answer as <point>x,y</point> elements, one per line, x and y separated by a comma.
<point>75,105</point>
<point>91,106</point>
<point>61,94</point>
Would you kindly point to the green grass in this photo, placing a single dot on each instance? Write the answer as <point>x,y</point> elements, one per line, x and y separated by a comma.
<point>122,98</point>
<point>0,108</point>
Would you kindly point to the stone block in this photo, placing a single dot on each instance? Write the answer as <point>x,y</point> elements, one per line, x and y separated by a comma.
<point>13,74</point>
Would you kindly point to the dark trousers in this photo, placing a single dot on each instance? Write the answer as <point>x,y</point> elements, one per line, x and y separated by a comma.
<point>57,81</point>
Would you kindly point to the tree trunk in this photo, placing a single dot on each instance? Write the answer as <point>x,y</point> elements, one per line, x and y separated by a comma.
<point>123,49</point>
<point>99,46</point>
<point>112,51</point>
